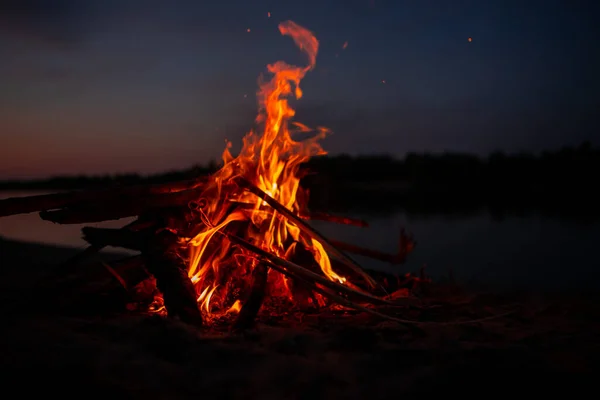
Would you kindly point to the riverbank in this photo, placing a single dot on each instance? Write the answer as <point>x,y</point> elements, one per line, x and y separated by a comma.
<point>549,344</point>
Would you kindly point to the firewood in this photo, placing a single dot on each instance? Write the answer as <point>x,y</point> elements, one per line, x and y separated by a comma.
<point>307,274</point>
<point>413,325</point>
<point>117,208</point>
<point>303,295</point>
<point>251,307</point>
<point>68,266</point>
<point>170,270</point>
<point>247,185</point>
<point>103,237</point>
<point>336,219</point>
<point>28,204</point>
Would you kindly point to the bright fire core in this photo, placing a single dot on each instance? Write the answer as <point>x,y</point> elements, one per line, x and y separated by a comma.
<point>270,159</point>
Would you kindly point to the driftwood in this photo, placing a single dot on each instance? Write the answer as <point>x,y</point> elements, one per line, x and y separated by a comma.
<point>118,208</point>
<point>23,205</point>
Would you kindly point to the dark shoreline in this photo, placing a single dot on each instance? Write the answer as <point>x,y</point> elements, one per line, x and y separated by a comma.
<point>556,183</point>
<point>550,344</point>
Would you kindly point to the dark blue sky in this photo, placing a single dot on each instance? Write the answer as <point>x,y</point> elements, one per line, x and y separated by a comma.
<point>123,85</point>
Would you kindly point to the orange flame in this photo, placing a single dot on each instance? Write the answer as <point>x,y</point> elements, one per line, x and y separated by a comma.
<point>271,161</point>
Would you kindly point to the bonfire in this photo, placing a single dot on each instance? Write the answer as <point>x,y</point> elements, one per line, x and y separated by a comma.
<point>230,243</point>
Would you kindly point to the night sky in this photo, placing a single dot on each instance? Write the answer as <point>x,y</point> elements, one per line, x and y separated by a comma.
<point>112,86</point>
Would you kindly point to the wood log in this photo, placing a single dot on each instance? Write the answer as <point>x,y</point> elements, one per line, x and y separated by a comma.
<point>99,211</point>
<point>28,204</point>
<point>247,316</point>
<point>162,260</point>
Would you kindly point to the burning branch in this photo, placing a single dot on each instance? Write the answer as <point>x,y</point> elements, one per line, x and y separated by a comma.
<point>297,270</point>
<point>313,233</point>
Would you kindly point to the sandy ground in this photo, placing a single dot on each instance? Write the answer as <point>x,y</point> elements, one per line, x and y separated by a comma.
<point>549,345</point>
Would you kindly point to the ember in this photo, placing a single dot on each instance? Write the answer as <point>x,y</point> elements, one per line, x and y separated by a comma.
<point>236,241</point>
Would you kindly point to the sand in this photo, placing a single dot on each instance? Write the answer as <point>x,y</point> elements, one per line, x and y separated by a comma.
<point>549,345</point>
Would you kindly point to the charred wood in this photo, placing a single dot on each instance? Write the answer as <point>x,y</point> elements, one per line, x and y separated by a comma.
<point>251,307</point>
<point>303,294</point>
<point>163,261</point>
<point>98,211</point>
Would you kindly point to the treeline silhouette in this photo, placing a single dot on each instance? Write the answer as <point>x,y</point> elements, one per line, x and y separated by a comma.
<point>556,182</point>
<point>560,182</point>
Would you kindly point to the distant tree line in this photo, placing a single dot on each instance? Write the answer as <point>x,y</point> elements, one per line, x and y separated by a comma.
<point>559,181</point>
<point>563,180</point>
